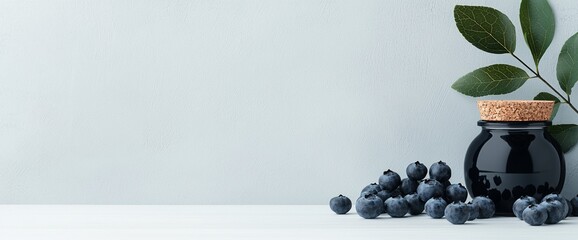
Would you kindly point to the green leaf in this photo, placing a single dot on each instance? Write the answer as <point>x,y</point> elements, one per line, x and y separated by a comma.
<point>549,97</point>
<point>538,26</point>
<point>565,134</point>
<point>491,80</point>
<point>486,28</point>
<point>567,68</point>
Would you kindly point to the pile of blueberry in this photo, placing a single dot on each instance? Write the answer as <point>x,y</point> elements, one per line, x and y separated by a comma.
<point>438,197</point>
<point>414,194</point>
<point>552,209</point>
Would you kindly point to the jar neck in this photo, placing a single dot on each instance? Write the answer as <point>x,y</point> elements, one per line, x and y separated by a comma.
<point>514,125</point>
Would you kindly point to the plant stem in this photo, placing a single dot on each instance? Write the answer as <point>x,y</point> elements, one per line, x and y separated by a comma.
<point>566,100</point>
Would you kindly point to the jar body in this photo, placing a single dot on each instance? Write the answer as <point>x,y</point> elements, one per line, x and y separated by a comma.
<point>508,160</point>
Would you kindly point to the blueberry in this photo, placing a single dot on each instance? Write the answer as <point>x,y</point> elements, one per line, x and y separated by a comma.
<point>435,207</point>
<point>456,192</point>
<point>555,210</point>
<point>416,206</point>
<point>446,184</point>
<point>535,214</point>
<point>486,205</point>
<point>373,187</point>
<point>340,204</point>
<point>559,198</point>
<point>396,206</point>
<point>396,192</point>
<point>390,180</point>
<point>416,171</point>
<point>370,190</point>
<point>570,208</point>
<point>429,188</point>
<point>384,194</point>
<point>574,202</point>
<point>369,206</point>
<point>440,171</point>
<point>457,212</point>
<point>521,204</point>
<point>474,211</point>
<point>408,186</point>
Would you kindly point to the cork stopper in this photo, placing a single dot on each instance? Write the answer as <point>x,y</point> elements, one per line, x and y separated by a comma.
<point>515,110</point>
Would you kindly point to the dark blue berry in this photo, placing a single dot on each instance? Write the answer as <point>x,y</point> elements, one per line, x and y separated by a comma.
<point>369,206</point>
<point>340,204</point>
<point>559,198</point>
<point>457,212</point>
<point>435,207</point>
<point>446,184</point>
<point>574,202</point>
<point>372,187</point>
<point>440,171</point>
<point>521,204</point>
<point>456,192</point>
<point>486,205</point>
<point>396,206</point>
<point>474,211</point>
<point>390,180</point>
<point>570,208</point>
<point>429,188</point>
<point>416,171</point>
<point>555,210</point>
<point>408,186</point>
<point>535,214</point>
<point>396,192</point>
<point>416,206</point>
<point>384,195</point>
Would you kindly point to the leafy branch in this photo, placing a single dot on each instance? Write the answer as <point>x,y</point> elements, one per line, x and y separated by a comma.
<point>566,99</point>
<point>492,31</point>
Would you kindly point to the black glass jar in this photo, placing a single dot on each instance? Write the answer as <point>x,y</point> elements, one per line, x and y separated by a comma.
<point>511,159</point>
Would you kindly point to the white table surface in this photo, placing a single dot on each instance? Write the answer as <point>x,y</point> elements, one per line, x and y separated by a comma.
<point>250,222</point>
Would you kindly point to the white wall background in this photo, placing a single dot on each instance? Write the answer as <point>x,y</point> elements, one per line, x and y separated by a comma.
<point>237,102</point>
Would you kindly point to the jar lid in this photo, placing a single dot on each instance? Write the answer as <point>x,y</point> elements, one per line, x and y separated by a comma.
<point>515,110</point>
